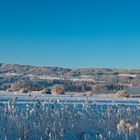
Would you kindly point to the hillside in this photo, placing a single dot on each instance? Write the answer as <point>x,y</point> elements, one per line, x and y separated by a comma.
<point>35,78</point>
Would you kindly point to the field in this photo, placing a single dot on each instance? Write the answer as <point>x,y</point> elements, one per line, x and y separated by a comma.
<point>48,117</point>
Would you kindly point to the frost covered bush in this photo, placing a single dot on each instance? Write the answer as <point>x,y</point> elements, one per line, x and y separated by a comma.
<point>45,91</point>
<point>56,120</point>
<point>122,93</point>
<point>58,89</point>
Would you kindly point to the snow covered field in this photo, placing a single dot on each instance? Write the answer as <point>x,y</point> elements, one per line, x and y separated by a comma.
<point>32,98</point>
<point>32,116</point>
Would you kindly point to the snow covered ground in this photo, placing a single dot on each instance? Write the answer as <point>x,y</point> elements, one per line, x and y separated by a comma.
<point>34,97</point>
<point>32,116</point>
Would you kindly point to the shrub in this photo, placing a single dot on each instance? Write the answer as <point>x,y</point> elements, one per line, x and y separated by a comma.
<point>10,90</point>
<point>88,93</point>
<point>24,90</point>
<point>58,89</point>
<point>122,93</point>
<point>45,91</point>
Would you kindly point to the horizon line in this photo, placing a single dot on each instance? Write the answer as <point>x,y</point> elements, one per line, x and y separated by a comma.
<point>66,67</point>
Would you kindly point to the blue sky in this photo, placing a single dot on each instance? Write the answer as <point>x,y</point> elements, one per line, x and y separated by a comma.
<point>70,33</point>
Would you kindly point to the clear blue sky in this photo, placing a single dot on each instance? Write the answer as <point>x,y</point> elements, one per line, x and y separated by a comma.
<point>70,33</point>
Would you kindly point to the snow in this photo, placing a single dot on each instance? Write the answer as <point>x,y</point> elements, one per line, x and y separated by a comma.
<point>34,97</point>
<point>33,116</point>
